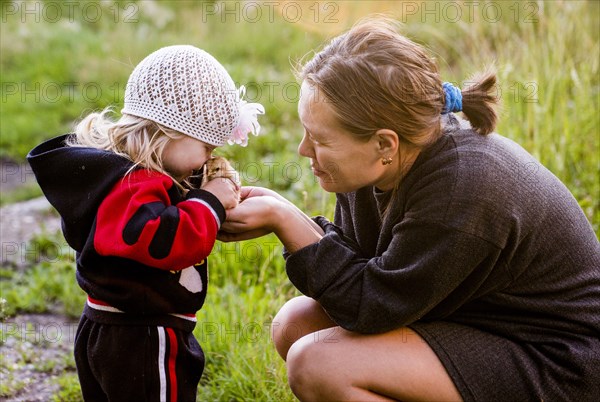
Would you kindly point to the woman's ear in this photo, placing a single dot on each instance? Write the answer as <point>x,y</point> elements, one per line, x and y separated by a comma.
<point>387,142</point>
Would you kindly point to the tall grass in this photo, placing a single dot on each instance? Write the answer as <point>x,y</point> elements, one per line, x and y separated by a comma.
<point>547,54</point>
<point>54,71</point>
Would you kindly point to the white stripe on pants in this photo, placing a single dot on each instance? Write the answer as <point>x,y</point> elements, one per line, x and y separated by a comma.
<point>161,364</point>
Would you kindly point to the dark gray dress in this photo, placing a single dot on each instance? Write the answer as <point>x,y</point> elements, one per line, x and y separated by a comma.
<point>485,254</point>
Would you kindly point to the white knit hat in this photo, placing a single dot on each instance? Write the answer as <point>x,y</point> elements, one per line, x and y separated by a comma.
<point>186,89</point>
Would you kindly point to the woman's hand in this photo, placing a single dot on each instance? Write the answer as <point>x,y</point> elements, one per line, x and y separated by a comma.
<point>250,191</point>
<point>263,211</point>
<point>251,214</point>
<point>253,217</point>
<point>225,190</point>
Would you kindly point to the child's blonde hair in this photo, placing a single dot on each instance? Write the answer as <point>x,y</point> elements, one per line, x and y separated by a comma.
<point>140,140</point>
<point>174,92</point>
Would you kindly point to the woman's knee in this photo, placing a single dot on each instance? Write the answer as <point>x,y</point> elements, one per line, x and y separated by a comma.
<point>304,370</point>
<point>298,317</point>
<point>315,366</point>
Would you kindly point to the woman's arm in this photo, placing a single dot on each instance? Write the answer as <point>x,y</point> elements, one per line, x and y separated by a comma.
<point>254,191</point>
<point>263,211</point>
<point>428,269</point>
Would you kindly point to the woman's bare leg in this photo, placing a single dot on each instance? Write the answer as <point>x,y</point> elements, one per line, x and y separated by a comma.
<point>328,363</point>
<point>337,365</point>
<point>300,316</point>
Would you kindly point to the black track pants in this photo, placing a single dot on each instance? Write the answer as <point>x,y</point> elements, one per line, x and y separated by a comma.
<point>137,363</point>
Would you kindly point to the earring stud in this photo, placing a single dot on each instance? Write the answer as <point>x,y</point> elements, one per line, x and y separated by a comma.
<point>386,161</point>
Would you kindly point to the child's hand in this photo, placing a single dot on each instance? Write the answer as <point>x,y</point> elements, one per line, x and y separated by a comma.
<point>225,190</point>
<point>218,166</point>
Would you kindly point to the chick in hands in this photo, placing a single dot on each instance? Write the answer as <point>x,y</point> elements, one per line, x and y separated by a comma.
<point>219,167</point>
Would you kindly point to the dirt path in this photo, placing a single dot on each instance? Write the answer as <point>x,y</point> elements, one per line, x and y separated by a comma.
<point>34,348</point>
<point>19,223</point>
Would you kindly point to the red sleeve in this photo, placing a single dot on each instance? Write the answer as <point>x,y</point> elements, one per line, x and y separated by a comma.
<point>137,220</point>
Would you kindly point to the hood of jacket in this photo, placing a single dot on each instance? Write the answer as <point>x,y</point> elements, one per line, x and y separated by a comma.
<point>75,180</point>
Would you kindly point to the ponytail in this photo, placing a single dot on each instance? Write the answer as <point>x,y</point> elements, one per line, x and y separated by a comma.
<point>480,102</point>
<point>376,78</point>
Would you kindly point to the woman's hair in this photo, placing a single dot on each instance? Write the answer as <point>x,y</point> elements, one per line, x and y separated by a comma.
<point>142,141</point>
<point>376,78</point>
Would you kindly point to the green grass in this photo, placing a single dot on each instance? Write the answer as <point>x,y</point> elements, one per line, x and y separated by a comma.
<point>21,193</point>
<point>69,389</point>
<point>54,72</point>
<point>235,329</point>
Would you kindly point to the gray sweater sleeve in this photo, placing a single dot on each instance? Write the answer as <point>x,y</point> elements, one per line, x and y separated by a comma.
<point>428,269</point>
<point>479,233</point>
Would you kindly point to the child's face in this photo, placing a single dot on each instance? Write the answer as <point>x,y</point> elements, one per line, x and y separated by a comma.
<point>182,156</point>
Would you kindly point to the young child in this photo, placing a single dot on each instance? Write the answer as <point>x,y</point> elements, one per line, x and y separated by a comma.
<point>142,234</point>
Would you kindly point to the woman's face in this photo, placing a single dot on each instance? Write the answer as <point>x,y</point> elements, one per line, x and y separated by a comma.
<point>184,155</point>
<point>340,161</point>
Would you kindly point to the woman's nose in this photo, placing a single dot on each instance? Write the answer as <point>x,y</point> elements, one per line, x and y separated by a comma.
<point>304,148</point>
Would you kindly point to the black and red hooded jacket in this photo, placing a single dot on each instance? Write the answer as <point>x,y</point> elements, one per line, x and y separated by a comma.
<point>141,245</point>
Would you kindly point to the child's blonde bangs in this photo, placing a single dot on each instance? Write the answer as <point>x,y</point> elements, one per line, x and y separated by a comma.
<point>140,140</point>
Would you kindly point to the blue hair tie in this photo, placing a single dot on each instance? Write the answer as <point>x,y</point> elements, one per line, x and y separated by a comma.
<point>453,98</point>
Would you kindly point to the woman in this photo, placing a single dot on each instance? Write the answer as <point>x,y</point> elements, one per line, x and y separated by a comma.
<point>457,267</point>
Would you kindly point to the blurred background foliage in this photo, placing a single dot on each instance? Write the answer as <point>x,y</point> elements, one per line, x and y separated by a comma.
<point>61,60</point>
